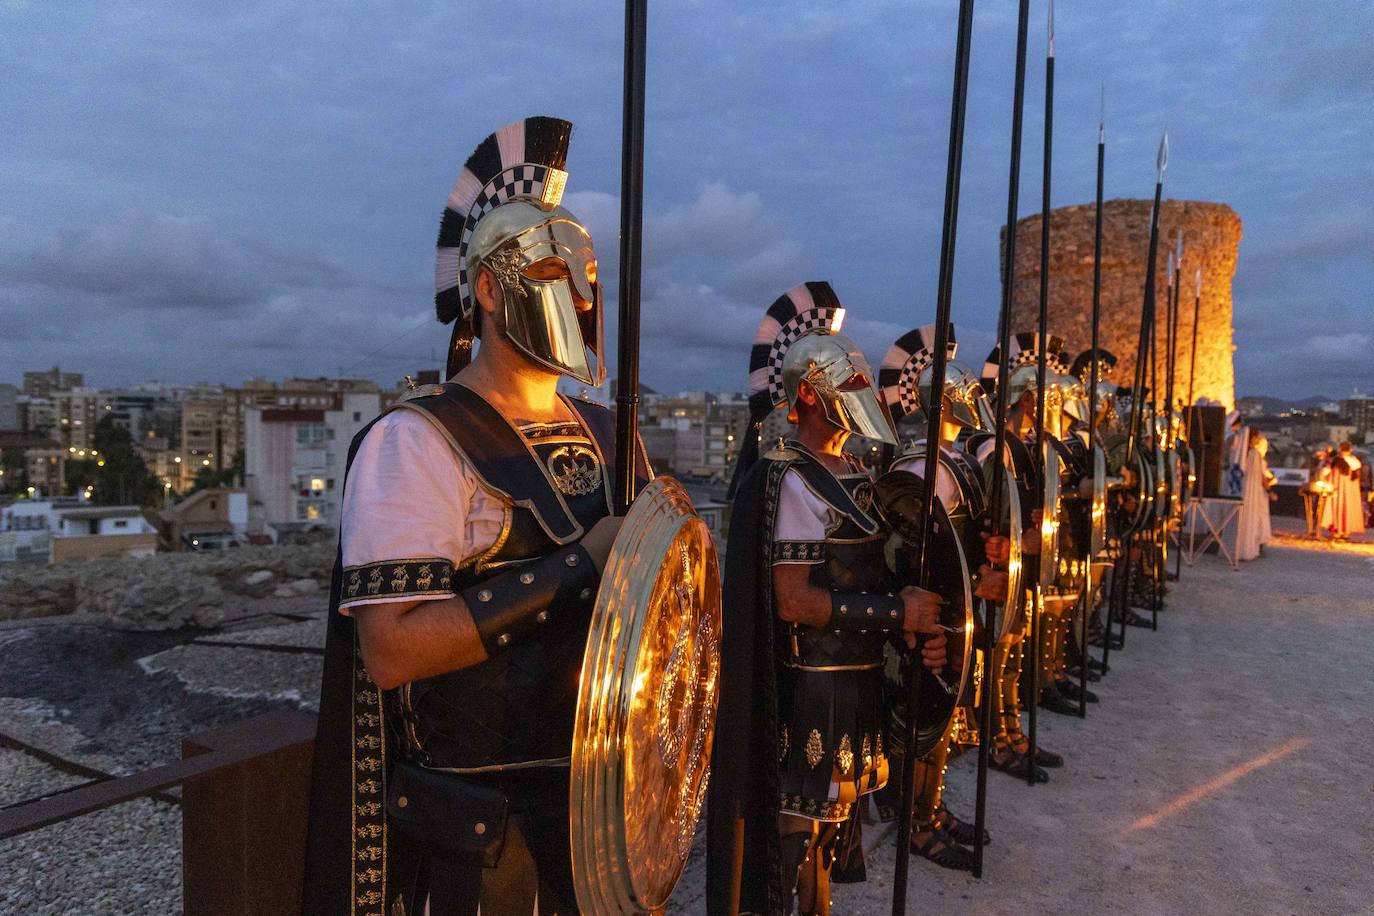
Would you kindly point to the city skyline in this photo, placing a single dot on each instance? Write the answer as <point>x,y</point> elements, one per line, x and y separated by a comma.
<point>265,189</point>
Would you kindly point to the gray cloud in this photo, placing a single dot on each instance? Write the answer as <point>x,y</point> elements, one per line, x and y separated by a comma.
<point>785,141</point>
<point>144,260</point>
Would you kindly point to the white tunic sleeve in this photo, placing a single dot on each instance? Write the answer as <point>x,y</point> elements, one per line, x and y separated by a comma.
<point>413,512</point>
<point>804,521</point>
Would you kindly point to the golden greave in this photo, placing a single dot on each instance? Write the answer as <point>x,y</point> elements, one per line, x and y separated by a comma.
<point>930,780</point>
<point>1009,693</point>
<point>1051,626</point>
<point>813,878</point>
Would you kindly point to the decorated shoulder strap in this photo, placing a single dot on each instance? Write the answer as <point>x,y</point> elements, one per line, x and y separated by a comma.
<point>499,455</point>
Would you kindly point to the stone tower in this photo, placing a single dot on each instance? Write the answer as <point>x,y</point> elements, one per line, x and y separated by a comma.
<point>1211,239</point>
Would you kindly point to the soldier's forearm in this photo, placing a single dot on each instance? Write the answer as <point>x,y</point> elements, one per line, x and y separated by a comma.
<point>406,642</point>
<point>798,601</point>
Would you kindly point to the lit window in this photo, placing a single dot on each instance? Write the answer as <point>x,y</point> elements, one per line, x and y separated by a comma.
<point>312,512</point>
<point>317,484</point>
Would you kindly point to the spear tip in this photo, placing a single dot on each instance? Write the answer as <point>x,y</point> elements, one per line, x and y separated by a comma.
<point>1102,114</point>
<point>1162,159</point>
<point>1051,30</point>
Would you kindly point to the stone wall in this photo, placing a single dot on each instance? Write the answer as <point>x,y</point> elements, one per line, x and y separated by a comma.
<point>1211,239</point>
<point>166,591</point>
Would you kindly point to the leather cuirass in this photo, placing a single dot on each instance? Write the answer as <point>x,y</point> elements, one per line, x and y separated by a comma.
<point>853,562</point>
<point>518,706</point>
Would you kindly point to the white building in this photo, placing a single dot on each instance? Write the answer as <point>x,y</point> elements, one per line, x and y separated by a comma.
<point>294,459</point>
<point>69,527</point>
<point>27,526</point>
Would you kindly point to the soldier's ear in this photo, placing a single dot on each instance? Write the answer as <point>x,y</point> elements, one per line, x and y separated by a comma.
<point>805,393</point>
<point>487,291</point>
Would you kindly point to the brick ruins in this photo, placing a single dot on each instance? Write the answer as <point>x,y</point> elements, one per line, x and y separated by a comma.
<point>1211,238</point>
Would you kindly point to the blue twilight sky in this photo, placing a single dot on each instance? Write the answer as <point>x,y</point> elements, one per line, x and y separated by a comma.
<point>210,191</point>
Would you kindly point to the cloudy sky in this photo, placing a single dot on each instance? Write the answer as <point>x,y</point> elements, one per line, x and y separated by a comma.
<point>209,191</point>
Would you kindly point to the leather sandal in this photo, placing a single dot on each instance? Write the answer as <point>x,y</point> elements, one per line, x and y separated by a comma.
<point>1015,764</point>
<point>939,847</point>
<point>963,833</point>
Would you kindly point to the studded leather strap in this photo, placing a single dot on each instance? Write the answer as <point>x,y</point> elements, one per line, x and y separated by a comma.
<point>863,611</point>
<point>512,604</point>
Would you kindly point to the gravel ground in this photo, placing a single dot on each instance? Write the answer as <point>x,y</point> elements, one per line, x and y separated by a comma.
<point>243,674</point>
<point>123,861</point>
<point>77,690</point>
<point>306,633</point>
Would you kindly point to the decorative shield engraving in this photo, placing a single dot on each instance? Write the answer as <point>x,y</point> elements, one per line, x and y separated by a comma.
<point>646,708</point>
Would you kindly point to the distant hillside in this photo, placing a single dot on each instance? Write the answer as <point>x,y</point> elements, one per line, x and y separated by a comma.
<point>1273,406</point>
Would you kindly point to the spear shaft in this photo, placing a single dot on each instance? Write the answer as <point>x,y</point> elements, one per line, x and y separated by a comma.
<point>1092,400</point>
<point>631,247</point>
<point>1000,435</point>
<point>1171,453</point>
<point>1192,355</point>
<point>1046,453</point>
<point>1147,307</point>
<point>915,669</point>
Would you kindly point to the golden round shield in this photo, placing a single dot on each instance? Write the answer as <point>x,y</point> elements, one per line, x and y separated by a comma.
<point>646,709</point>
<point>1049,515</point>
<point>1099,504</point>
<point>1012,607</point>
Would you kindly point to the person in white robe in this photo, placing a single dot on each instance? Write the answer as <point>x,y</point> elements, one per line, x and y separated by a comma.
<point>1344,513</point>
<point>1257,493</point>
<point>1233,461</point>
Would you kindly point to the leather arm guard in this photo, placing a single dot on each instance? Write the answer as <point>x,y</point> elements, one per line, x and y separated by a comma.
<point>855,611</point>
<point>511,604</point>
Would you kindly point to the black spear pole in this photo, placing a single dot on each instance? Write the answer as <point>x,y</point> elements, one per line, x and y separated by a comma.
<point>1154,438</point>
<point>1172,454</point>
<point>631,247</point>
<point>1092,400</point>
<point>1192,354</point>
<point>1188,420</point>
<point>1000,438</point>
<point>1096,370</point>
<point>1138,377</point>
<point>914,668</point>
<point>1044,452</point>
<point>1147,306</point>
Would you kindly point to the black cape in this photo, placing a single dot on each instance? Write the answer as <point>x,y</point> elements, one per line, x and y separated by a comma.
<point>743,855</point>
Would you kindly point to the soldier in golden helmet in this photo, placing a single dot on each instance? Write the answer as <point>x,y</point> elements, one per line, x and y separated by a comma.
<point>476,521</point>
<point>908,386</point>
<point>809,607</point>
<point>1011,751</point>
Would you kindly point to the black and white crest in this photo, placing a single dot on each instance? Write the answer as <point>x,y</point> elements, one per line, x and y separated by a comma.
<point>902,367</point>
<point>1083,365</point>
<point>802,310</point>
<point>1025,351</point>
<point>523,160</point>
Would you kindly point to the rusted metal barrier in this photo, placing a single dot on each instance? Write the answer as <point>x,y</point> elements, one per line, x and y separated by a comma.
<point>245,796</point>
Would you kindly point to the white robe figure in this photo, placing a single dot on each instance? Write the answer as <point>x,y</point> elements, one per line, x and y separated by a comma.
<point>1344,513</point>
<point>1233,469</point>
<point>1254,511</point>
